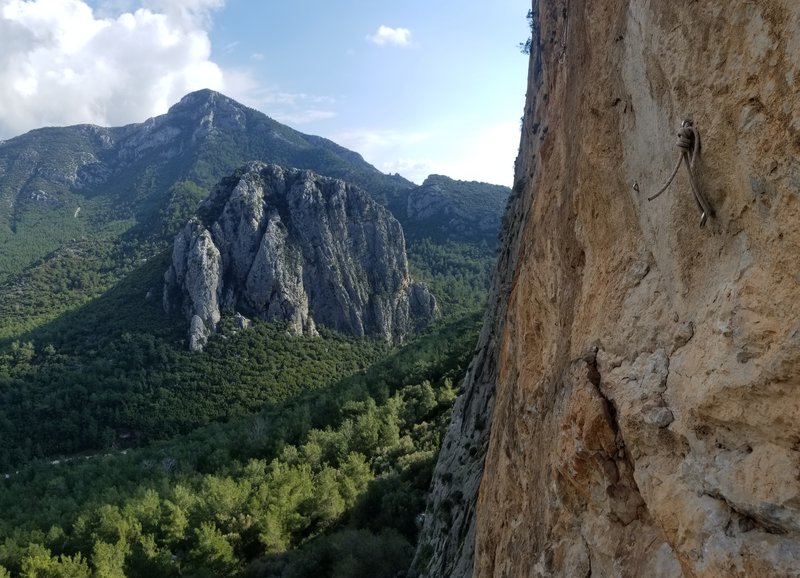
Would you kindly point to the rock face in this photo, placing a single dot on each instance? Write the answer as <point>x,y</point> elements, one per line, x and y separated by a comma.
<point>289,245</point>
<point>633,408</point>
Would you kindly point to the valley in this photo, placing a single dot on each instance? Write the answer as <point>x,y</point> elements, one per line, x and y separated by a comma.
<point>270,449</point>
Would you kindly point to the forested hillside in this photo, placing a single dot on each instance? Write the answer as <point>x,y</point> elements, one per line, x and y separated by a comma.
<point>292,487</point>
<point>266,454</point>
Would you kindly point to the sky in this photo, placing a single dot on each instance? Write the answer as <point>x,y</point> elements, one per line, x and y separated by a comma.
<point>416,86</point>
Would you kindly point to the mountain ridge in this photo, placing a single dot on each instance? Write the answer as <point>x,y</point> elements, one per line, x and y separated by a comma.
<point>88,180</point>
<point>442,206</point>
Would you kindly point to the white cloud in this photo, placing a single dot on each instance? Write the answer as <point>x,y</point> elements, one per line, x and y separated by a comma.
<point>290,108</point>
<point>390,150</point>
<point>197,11</point>
<point>194,13</point>
<point>303,116</point>
<point>231,47</point>
<point>415,170</point>
<point>62,63</point>
<point>387,35</point>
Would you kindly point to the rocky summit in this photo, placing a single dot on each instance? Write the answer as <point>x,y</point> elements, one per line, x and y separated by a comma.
<point>289,245</point>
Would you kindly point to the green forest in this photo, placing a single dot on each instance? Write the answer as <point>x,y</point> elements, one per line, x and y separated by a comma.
<point>266,454</point>
<point>332,478</point>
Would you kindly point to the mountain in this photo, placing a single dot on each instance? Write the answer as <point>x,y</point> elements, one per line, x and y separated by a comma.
<point>632,408</point>
<point>147,178</point>
<point>82,206</point>
<point>289,245</point>
<point>446,208</point>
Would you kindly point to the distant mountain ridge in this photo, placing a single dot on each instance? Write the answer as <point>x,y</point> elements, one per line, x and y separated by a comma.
<point>82,207</point>
<point>444,207</point>
<point>199,135</point>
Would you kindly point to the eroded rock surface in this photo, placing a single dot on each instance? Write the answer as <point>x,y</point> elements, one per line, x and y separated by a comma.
<point>643,398</point>
<point>289,245</point>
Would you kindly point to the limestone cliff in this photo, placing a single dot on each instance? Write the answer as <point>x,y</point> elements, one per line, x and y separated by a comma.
<point>289,245</point>
<point>633,408</point>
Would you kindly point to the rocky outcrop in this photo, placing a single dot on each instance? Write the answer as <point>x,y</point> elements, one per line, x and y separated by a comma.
<point>638,374</point>
<point>288,245</point>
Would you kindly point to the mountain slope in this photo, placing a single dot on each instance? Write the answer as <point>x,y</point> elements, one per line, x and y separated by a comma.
<point>443,208</point>
<point>85,179</point>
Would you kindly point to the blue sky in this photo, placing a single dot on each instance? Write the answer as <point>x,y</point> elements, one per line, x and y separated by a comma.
<point>417,87</point>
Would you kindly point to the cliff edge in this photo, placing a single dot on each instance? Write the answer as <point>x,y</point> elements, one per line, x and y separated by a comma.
<point>633,407</point>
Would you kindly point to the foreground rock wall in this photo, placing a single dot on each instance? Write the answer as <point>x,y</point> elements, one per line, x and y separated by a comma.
<point>645,403</point>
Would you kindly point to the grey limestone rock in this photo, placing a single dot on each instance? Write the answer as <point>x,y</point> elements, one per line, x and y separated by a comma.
<point>193,283</point>
<point>289,245</point>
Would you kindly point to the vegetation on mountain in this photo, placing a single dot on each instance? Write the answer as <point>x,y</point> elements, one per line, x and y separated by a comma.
<point>457,273</point>
<point>444,209</point>
<point>118,367</point>
<point>525,47</point>
<point>112,375</point>
<point>292,487</point>
<point>144,179</point>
